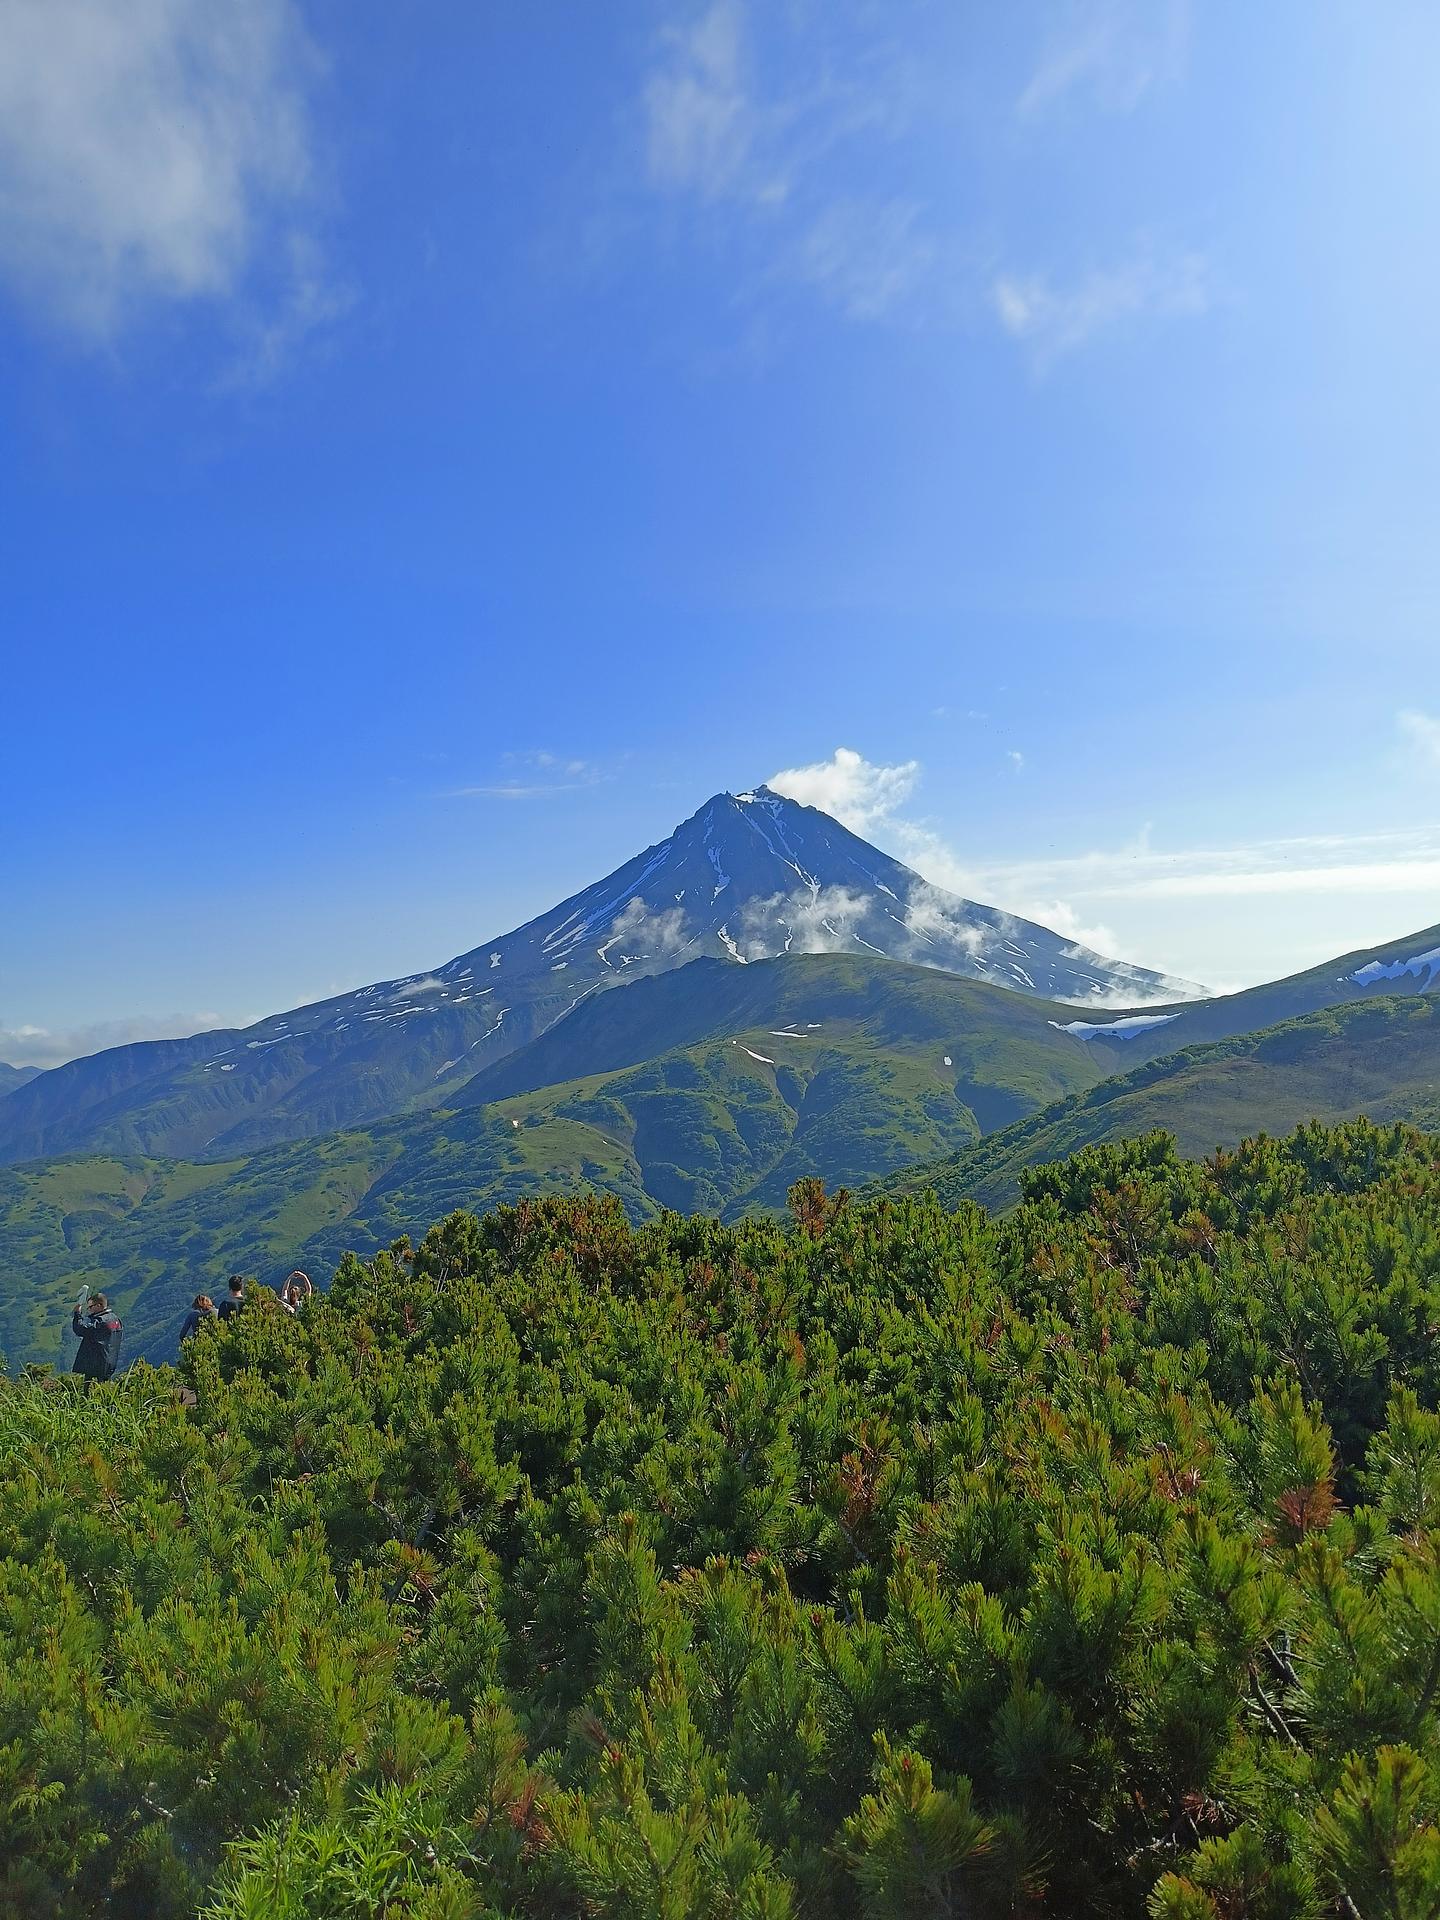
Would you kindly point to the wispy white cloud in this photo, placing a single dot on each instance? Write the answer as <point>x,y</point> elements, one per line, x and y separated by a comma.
<point>822,921</point>
<point>749,160</point>
<point>1062,918</point>
<point>1111,51</point>
<point>931,919</point>
<point>27,1045</point>
<point>702,122</point>
<point>1398,862</point>
<point>557,773</point>
<point>1053,320</point>
<point>560,763</point>
<point>718,126</point>
<point>303,306</point>
<point>641,941</point>
<point>1016,759</point>
<point>870,258</point>
<point>762,157</point>
<point>154,152</point>
<point>855,790</point>
<point>1420,732</point>
<point>515,790</point>
<point>1229,915</point>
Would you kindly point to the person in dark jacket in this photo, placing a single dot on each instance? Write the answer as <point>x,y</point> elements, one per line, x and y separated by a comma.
<point>202,1313</point>
<point>234,1297</point>
<point>98,1331</point>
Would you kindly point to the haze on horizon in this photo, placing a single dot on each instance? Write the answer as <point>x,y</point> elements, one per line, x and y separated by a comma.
<point>442,450</point>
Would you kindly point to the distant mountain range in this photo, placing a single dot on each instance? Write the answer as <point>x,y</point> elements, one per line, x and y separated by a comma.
<point>13,1077</point>
<point>711,1088</point>
<point>1408,965</point>
<point>760,997</point>
<point>749,876</point>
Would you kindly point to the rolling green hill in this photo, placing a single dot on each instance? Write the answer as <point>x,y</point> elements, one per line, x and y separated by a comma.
<point>1006,1054</point>
<point>1380,1058</point>
<point>808,1064</point>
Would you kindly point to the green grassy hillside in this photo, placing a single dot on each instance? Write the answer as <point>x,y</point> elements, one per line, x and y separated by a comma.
<point>838,1067</point>
<point>1380,1058</point>
<point>1007,1049</point>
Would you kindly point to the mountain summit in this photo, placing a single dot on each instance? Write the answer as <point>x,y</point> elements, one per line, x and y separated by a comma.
<point>749,876</point>
<point>753,875</point>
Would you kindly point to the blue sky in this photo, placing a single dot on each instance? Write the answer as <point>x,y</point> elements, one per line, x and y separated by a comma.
<point>443,444</point>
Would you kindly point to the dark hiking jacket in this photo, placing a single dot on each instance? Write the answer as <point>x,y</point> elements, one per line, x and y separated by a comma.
<point>98,1354</point>
<point>230,1305</point>
<point>196,1317</point>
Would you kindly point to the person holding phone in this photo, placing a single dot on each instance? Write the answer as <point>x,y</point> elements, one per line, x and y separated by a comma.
<point>98,1331</point>
<point>296,1291</point>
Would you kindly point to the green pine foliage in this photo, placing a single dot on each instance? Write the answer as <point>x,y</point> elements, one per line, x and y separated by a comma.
<point>886,1562</point>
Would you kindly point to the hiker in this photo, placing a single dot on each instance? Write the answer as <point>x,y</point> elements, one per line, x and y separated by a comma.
<point>296,1291</point>
<point>234,1297</point>
<point>98,1331</point>
<point>203,1312</point>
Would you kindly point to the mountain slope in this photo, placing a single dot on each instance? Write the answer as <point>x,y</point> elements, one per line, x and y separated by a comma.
<point>746,877</point>
<point>1380,1059</point>
<point>829,1064</point>
<point>12,1078</point>
<point>1407,965</point>
<point>813,1002</point>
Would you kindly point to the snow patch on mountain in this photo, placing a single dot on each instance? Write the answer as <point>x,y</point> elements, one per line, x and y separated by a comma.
<point>1373,970</point>
<point>1114,1029</point>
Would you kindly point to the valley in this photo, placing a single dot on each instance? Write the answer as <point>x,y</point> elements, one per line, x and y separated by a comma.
<point>761,998</point>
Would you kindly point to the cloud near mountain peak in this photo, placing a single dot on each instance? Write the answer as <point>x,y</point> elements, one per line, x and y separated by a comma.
<point>858,792</point>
